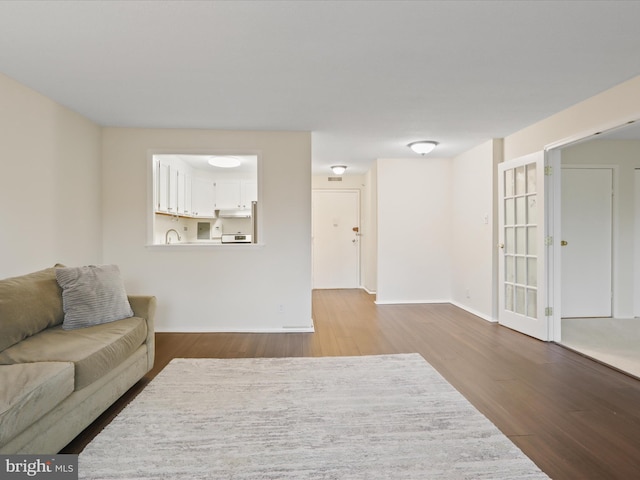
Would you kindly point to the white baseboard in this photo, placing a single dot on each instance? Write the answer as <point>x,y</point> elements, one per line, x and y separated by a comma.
<point>407,302</point>
<point>284,329</point>
<point>370,292</point>
<point>483,316</point>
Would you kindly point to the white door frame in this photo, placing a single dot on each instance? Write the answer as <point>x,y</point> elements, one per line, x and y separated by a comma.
<point>553,221</point>
<point>636,248</point>
<point>636,269</point>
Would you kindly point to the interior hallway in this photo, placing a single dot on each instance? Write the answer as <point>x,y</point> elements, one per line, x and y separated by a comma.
<point>612,341</point>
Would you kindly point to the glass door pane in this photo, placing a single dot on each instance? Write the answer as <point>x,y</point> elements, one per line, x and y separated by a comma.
<point>519,233</point>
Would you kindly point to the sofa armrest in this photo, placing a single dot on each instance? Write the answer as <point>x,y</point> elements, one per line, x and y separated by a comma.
<point>144,306</point>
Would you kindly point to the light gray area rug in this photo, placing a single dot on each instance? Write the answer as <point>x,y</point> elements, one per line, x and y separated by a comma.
<point>372,417</point>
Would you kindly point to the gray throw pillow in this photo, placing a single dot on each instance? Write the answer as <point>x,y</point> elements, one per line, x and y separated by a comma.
<point>92,295</point>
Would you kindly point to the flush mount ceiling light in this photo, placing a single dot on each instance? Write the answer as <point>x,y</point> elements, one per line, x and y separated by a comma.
<point>224,161</point>
<point>423,146</point>
<point>338,169</point>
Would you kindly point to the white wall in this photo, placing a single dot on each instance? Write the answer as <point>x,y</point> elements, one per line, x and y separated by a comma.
<point>625,155</point>
<point>348,182</point>
<point>215,288</point>
<point>369,271</point>
<point>609,109</point>
<point>472,235</point>
<point>414,229</point>
<point>50,183</point>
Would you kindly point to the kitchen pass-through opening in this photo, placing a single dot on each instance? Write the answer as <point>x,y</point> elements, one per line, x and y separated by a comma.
<point>204,198</point>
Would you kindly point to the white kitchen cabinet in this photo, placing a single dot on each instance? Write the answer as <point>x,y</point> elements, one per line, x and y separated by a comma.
<point>180,190</point>
<point>173,190</point>
<point>162,187</point>
<point>235,194</point>
<point>184,192</point>
<point>228,195</point>
<point>249,193</point>
<point>203,197</point>
<point>188,193</point>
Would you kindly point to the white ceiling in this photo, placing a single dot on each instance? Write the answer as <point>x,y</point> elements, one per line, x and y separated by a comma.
<point>366,77</point>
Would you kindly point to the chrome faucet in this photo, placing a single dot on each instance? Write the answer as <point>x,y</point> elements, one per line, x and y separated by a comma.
<point>166,237</point>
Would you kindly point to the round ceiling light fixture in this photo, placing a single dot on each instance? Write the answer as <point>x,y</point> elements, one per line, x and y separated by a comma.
<point>423,146</point>
<point>224,161</point>
<point>338,169</point>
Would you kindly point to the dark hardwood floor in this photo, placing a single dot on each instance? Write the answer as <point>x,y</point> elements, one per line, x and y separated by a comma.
<point>575,418</point>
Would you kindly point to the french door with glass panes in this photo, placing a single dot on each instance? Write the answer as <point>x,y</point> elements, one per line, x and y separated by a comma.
<point>521,273</point>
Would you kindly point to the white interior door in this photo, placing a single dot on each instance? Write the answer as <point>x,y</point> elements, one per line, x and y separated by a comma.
<point>522,270</point>
<point>586,253</point>
<point>336,245</point>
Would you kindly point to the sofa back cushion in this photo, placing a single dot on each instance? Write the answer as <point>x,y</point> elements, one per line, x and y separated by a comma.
<point>92,295</point>
<point>29,304</point>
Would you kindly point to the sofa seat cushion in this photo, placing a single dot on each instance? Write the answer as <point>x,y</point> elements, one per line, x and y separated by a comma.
<point>29,391</point>
<point>93,350</point>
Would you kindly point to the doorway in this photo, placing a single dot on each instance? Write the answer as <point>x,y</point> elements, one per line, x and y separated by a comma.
<point>607,328</point>
<point>336,238</point>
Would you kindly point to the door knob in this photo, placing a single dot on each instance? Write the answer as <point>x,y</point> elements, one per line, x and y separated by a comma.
<point>501,245</point>
<point>563,243</point>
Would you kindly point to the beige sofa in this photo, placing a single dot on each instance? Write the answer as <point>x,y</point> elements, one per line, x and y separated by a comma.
<point>54,382</point>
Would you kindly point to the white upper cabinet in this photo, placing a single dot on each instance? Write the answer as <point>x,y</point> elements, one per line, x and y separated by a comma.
<point>235,194</point>
<point>184,193</point>
<point>203,197</point>
<point>173,190</point>
<point>249,193</point>
<point>187,185</point>
<point>228,195</point>
<point>173,187</point>
<point>162,186</point>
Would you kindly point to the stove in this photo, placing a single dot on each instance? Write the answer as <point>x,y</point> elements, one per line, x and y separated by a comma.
<point>236,238</point>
